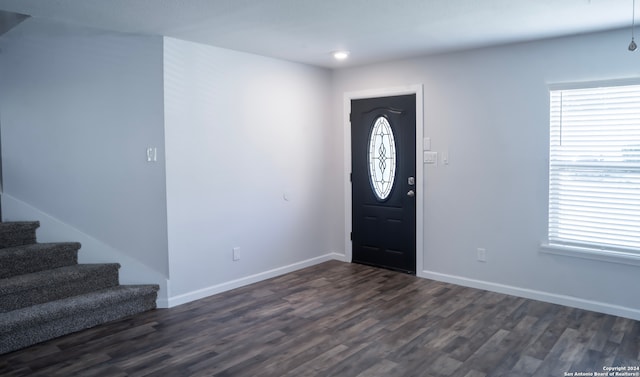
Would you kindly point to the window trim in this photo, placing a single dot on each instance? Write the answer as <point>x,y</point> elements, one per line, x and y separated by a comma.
<point>590,252</point>
<point>592,84</point>
<point>608,255</point>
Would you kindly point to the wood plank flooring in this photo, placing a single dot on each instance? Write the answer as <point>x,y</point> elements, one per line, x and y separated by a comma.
<point>341,319</point>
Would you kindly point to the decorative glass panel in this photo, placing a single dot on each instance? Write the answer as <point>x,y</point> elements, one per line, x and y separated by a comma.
<point>382,158</point>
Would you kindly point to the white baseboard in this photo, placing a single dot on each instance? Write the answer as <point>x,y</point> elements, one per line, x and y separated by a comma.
<point>229,285</point>
<point>553,298</point>
<point>340,257</point>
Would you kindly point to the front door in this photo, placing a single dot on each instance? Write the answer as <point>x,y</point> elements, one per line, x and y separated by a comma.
<point>383,171</point>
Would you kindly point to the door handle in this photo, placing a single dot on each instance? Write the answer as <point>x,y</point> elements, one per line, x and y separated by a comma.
<point>411,193</point>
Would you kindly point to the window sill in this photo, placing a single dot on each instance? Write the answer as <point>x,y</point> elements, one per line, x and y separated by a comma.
<point>611,256</point>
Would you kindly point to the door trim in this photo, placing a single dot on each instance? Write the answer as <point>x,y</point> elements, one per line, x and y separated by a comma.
<point>374,93</point>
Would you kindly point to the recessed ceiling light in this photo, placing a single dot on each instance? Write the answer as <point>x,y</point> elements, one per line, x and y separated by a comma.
<point>340,55</point>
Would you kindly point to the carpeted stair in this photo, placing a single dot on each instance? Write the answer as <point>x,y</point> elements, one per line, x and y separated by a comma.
<point>45,293</point>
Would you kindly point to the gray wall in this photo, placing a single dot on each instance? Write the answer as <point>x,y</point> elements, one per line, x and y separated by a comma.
<point>79,108</point>
<point>246,140</point>
<point>489,109</point>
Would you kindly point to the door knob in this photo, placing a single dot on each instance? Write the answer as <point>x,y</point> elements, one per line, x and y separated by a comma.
<point>411,193</point>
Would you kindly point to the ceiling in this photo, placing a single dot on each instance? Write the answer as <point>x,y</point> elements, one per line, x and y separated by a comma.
<point>307,31</point>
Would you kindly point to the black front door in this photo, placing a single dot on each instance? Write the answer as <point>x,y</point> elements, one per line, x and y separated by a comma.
<point>383,166</point>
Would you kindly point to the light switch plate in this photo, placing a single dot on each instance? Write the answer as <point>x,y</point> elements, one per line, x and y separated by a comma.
<point>430,157</point>
<point>152,154</point>
<point>426,144</point>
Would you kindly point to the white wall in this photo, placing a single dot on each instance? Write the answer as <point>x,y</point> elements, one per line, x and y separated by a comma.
<point>242,133</point>
<point>489,109</point>
<point>79,108</point>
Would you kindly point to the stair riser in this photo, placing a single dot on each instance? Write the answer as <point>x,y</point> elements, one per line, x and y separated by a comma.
<point>36,333</point>
<point>37,261</point>
<point>17,234</point>
<point>45,291</point>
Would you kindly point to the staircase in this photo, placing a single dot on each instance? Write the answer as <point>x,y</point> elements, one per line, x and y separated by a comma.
<point>45,293</point>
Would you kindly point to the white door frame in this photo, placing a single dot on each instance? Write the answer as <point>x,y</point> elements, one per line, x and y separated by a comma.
<point>374,93</point>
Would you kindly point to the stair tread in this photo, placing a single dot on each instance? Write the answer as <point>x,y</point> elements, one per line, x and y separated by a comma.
<point>52,310</point>
<point>18,233</point>
<point>18,260</point>
<point>5,223</point>
<point>37,247</point>
<point>18,226</point>
<point>58,275</point>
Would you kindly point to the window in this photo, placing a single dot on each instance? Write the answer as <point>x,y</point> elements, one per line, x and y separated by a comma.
<point>594,169</point>
<point>382,158</point>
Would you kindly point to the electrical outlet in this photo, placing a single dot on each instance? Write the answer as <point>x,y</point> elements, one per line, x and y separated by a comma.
<point>482,254</point>
<point>236,254</point>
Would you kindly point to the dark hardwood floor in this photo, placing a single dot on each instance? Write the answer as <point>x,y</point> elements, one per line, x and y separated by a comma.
<point>340,319</point>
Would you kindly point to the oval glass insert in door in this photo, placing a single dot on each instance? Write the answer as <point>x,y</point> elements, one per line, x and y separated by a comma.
<point>382,158</point>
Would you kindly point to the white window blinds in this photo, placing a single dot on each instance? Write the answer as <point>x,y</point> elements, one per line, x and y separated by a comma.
<point>594,167</point>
